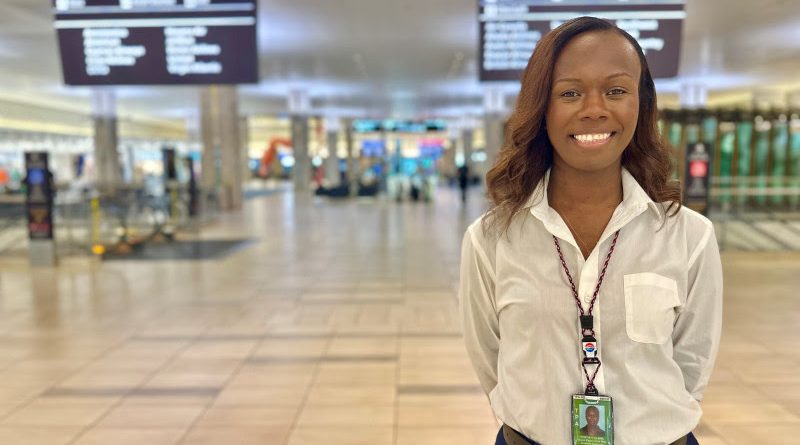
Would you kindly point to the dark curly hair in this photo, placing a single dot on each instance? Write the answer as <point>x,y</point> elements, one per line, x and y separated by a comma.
<point>527,153</point>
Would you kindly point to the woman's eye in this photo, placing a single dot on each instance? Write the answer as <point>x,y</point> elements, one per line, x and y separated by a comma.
<point>569,94</point>
<point>616,91</point>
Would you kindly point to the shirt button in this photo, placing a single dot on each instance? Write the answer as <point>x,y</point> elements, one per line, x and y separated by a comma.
<point>587,299</point>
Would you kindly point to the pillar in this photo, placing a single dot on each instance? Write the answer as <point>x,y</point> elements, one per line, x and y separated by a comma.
<point>332,175</point>
<point>299,104</point>
<point>244,137</point>
<point>352,165</point>
<point>493,125</point>
<point>106,156</point>
<point>448,165</point>
<point>301,172</point>
<point>222,145</point>
<point>693,95</point>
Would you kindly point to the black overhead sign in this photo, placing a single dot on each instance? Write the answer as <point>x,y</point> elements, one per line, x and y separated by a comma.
<point>510,29</point>
<point>157,42</point>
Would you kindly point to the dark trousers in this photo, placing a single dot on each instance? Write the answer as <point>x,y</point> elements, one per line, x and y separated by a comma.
<point>691,440</point>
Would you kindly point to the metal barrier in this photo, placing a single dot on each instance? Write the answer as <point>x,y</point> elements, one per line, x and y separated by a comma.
<point>119,219</point>
<point>756,213</point>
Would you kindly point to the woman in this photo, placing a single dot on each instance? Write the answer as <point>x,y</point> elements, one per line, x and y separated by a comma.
<point>587,279</point>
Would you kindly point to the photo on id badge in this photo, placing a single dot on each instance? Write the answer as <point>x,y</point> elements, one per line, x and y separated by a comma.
<point>592,422</point>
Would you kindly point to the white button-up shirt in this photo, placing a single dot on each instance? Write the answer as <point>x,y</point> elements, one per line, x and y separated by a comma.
<point>657,318</point>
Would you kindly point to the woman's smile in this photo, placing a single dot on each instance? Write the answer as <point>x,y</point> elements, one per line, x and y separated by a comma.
<point>592,140</point>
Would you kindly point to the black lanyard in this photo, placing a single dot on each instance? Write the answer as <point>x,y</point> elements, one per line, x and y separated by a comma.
<point>589,342</point>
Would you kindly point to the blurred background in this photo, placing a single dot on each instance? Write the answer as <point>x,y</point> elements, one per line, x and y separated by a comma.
<point>240,220</point>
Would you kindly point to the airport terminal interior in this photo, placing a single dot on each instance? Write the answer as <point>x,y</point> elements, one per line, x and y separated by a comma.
<point>238,222</point>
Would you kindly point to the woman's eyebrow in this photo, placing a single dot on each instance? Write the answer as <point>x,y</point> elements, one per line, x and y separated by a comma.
<point>572,79</point>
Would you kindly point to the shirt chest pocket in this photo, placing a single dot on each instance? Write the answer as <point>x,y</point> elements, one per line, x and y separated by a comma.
<point>650,302</point>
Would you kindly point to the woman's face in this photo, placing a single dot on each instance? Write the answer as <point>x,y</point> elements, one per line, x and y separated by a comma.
<point>594,104</point>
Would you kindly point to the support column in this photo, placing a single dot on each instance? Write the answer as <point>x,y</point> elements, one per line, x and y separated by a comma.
<point>244,138</point>
<point>106,157</point>
<point>352,165</point>
<point>332,175</point>
<point>301,172</point>
<point>299,106</point>
<point>494,134</point>
<point>493,126</point>
<point>693,95</point>
<point>448,163</point>
<point>221,161</point>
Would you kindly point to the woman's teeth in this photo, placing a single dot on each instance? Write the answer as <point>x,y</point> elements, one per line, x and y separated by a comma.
<point>590,138</point>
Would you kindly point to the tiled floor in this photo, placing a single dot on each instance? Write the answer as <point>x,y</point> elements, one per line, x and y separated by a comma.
<point>337,325</point>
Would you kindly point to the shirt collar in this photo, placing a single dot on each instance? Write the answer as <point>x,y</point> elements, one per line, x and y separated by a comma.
<point>634,198</point>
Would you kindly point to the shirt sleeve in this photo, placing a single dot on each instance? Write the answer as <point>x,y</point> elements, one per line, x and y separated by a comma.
<point>478,315</point>
<point>699,324</point>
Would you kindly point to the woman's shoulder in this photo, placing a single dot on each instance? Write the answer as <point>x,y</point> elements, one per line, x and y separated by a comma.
<point>695,226</point>
<point>482,233</point>
<point>693,219</point>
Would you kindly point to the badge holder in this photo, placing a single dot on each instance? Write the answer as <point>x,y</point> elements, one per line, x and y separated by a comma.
<point>592,420</point>
<point>588,343</point>
<point>592,413</point>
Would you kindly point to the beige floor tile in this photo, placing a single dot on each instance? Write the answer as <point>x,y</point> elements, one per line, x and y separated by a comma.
<point>172,399</point>
<point>777,371</point>
<point>476,435</point>
<point>710,440</point>
<point>716,414</point>
<point>223,416</point>
<point>21,394</point>
<point>152,416</point>
<point>291,396</point>
<point>291,348</point>
<point>355,373</point>
<point>107,365</point>
<point>776,434</point>
<point>48,412</point>
<point>105,379</point>
<point>130,436</point>
<point>349,395</point>
<point>46,364</point>
<point>431,346</point>
<point>457,375</point>
<point>254,376</point>
<point>219,350</point>
<point>188,379</point>
<point>726,392</point>
<point>444,415</point>
<point>190,365</point>
<point>474,398</point>
<point>38,435</point>
<point>779,392</point>
<point>363,346</point>
<point>41,378</point>
<point>236,436</point>
<point>443,361</point>
<point>724,375</point>
<point>355,414</point>
<point>342,435</point>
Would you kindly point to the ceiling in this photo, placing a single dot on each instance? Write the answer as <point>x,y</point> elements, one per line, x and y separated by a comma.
<point>396,57</point>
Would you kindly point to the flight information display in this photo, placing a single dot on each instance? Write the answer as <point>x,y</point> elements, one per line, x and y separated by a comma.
<point>157,42</point>
<point>510,30</point>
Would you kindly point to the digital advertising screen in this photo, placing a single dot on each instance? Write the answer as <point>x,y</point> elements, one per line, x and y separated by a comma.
<point>510,29</point>
<point>157,42</point>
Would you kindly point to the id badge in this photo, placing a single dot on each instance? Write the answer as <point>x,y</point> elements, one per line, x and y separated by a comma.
<point>592,420</point>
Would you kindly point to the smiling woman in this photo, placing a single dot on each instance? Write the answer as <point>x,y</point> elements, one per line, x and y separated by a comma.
<point>600,69</point>
<point>585,217</point>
